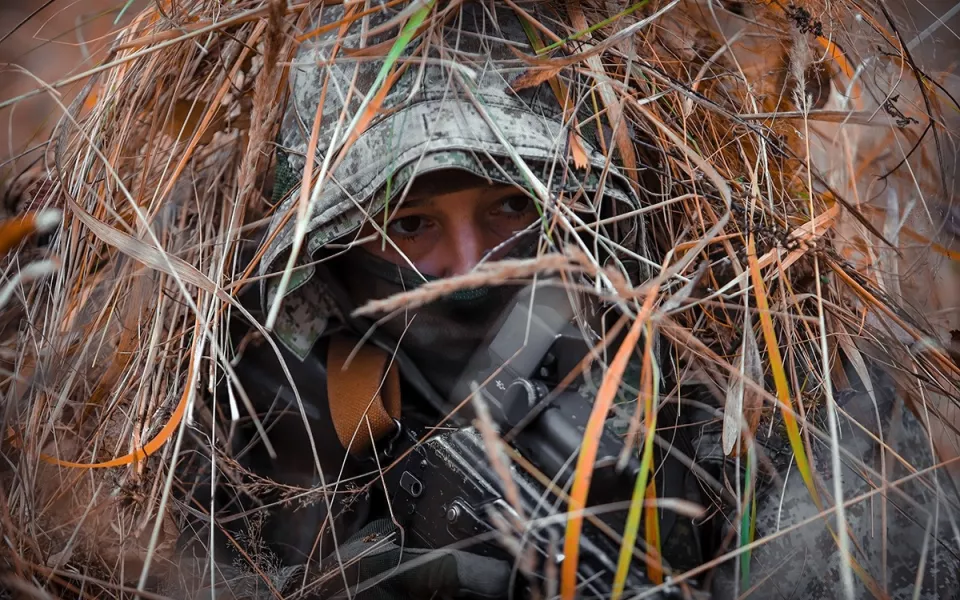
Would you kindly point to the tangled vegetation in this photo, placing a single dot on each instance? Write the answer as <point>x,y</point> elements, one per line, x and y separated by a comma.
<point>800,172</point>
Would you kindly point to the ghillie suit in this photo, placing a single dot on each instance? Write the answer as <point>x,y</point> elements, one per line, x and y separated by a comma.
<point>800,224</point>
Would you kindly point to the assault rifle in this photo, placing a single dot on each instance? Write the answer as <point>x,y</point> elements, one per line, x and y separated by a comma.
<point>446,492</point>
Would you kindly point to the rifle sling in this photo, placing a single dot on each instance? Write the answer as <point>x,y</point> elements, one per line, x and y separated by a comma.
<point>362,388</point>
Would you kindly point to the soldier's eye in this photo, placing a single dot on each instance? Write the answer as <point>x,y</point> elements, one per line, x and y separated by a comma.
<point>408,227</point>
<point>515,206</point>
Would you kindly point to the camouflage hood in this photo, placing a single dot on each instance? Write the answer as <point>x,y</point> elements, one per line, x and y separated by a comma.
<point>450,102</point>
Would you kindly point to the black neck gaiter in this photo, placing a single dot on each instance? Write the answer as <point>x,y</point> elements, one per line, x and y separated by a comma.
<point>439,337</point>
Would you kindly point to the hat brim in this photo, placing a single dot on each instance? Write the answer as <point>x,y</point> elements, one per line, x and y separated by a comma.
<point>446,133</point>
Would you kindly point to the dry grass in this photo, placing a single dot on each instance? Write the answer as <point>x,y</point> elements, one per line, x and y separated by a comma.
<point>806,197</point>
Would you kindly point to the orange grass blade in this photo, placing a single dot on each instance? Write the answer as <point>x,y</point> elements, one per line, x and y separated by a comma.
<point>938,248</point>
<point>137,455</point>
<point>13,231</point>
<point>838,56</point>
<point>655,566</point>
<point>588,456</point>
<point>579,153</point>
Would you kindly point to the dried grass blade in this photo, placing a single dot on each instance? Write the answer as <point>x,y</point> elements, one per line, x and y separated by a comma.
<point>733,409</point>
<point>144,253</point>
<point>534,77</point>
<point>577,151</point>
<point>741,402</point>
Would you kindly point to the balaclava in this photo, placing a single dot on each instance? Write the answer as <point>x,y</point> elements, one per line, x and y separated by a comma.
<point>441,336</point>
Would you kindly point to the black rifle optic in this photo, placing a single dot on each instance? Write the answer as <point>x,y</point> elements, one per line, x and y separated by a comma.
<point>445,492</point>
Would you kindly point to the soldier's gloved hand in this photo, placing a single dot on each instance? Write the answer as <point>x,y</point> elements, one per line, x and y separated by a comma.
<point>378,568</point>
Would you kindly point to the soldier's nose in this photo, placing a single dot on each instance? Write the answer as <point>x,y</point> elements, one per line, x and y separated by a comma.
<point>466,249</point>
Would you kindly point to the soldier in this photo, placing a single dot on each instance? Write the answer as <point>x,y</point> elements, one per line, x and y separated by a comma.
<point>444,178</point>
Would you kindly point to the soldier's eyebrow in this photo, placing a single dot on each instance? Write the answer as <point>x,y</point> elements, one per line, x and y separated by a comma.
<point>426,196</point>
<point>416,200</point>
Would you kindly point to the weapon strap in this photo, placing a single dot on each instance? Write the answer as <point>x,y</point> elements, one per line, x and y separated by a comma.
<point>362,387</point>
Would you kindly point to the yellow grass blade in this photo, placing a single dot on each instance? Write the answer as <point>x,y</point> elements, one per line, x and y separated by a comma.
<point>779,375</point>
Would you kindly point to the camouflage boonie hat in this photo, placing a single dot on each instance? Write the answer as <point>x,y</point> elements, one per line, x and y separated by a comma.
<point>452,106</point>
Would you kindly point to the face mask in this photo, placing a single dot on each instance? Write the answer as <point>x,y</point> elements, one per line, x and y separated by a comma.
<point>442,336</point>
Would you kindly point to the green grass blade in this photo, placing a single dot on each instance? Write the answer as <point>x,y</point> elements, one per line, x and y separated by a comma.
<point>639,489</point>
<point>576,36</point>
<point>748,521</point>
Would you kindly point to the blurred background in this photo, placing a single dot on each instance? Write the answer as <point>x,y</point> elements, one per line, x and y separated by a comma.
<point>50,40</point>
